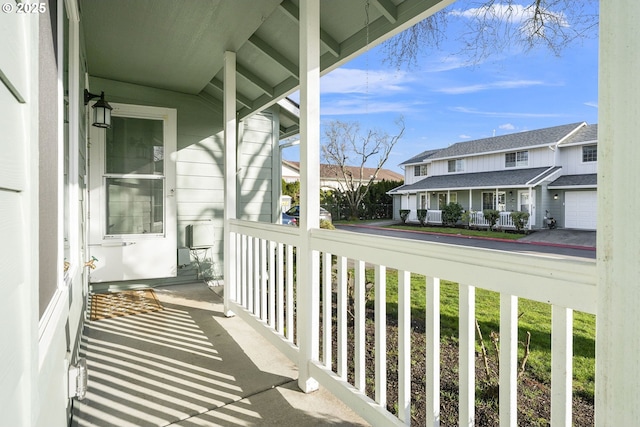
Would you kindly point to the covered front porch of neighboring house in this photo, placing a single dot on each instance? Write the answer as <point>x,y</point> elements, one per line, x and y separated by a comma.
<point>505,191</point>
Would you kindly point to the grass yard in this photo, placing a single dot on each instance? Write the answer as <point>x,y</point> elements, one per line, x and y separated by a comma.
<point>535,318</point>
<point>459,231</point>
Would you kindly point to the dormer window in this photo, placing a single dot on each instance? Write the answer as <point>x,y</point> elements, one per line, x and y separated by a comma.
<point>456,165</point>
<point>516,159</point>
<point>589,153</point>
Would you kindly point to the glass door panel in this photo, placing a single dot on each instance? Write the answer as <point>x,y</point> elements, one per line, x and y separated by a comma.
<point>134,206</point>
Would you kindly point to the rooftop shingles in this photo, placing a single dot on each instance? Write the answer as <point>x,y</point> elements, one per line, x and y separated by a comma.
<point>494,179</point>
<point>585,180</point>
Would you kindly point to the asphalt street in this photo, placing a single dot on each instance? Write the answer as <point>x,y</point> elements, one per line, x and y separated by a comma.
<point>542,246</point>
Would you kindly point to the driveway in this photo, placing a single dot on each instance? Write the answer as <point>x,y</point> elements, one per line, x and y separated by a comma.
<point>563,242</point>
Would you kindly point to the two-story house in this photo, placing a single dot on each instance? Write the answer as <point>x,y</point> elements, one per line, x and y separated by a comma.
<point>546,170</point>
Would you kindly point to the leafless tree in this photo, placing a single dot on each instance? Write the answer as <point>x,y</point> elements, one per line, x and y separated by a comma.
<point>348,152</point>
<point>495,26</point>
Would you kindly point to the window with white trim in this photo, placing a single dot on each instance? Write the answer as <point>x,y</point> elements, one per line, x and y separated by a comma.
<point>456,165</point>
<point>516,159</point>
<point>589,153</point>
<point>421,170</point>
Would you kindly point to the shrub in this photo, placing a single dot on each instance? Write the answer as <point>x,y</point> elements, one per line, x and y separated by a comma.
<point>492,216</point>
<point>451,213</point>
<point>519,219</point>
<point>422,216</point>
<point>404,214</point>
<point>327,224</point>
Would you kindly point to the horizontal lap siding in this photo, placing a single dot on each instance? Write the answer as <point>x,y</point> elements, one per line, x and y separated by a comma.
<point>255,163</point>
<point>18,297</point>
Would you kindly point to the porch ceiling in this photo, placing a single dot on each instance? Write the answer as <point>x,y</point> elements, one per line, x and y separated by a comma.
<point>179,45</point>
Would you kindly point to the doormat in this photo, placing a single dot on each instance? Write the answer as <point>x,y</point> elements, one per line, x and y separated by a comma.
<point>124,303</point>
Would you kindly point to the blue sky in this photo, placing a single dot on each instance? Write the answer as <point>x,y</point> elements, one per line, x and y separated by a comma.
<point>444,101</point>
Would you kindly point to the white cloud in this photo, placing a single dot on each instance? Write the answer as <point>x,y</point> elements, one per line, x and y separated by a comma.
<point>512,13</point>
<point>463,136</point>
<point>591,104</point>
<point>507,126</point>
<point>504,114</point>
<point>362,105</point>
<point>353,80</point>
<point>506,84</point>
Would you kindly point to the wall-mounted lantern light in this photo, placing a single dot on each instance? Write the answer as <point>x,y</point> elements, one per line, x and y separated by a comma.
<point>555,196</point>
<point>101,110</point>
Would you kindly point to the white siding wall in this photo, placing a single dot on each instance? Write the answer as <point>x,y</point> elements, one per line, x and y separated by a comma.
<point>539,157</point>
<point>19,306</point>
<point>572,164</point>
<point>255,163</point>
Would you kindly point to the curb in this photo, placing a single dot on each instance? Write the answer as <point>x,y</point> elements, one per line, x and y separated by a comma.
<point>495,239</point>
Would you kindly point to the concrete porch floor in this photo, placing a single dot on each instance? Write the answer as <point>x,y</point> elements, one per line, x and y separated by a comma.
<point>189,365</point>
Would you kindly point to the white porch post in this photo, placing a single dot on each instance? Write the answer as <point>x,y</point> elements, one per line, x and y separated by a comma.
<point>618,317</point>
<point>531,217</point>
<point>308,259</point>
<point>230,166</point>
<point>470,199</point>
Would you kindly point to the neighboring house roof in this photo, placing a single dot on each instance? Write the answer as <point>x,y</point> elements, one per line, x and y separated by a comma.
<point>585,135</point>
<point>576,181</point>
<point>420,158</point>
<point>493,179</point>
<point>331,172</point>
<point>532,138</point>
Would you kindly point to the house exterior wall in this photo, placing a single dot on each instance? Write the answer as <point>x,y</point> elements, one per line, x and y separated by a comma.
<point>571,160</point>
<point>200,163</point>
<point>538,157</point>
<point>410,177</point>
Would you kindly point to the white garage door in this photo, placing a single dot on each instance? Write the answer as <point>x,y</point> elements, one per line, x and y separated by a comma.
<point>580,209</point>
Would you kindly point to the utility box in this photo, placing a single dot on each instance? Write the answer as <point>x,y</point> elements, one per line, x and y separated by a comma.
<point>200,236</point>
<point>184,258</point>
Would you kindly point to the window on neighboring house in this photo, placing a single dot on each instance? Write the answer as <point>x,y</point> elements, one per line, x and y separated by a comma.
<point>516,159</point>
<point>456,165</point>
<point>590,153</point>
<point>489,201</point>
<point>421,170</point>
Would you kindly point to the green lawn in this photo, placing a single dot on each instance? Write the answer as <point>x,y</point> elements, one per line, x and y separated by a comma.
<point>535,318</point>
<point>459,231</point>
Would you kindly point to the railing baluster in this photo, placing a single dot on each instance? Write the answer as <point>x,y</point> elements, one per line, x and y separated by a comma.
<point>327,307</point>
<point>404,346</point>
<point>280,309</point>
<point>256,277</point>
<point>263,279</point>
<point>561,365</point>
<point>245,270</point>
<point>432,359</point>
<point>289,324</point>
<point>467,313</point>
<point>381,334</point>
<point>341,322</point>
<point>272,284</point>
<point>359,321</point>
<point>508,395</point>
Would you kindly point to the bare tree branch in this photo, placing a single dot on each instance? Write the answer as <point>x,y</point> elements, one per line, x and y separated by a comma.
<point>349,153</point>
<point>496,26</point>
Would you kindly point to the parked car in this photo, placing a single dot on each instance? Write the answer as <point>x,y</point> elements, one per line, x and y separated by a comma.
<point>292,216</point>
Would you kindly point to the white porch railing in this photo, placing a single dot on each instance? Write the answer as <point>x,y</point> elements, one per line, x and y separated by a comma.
<point>434,217</point>
<point>265,287</point>
<point>505,221</point>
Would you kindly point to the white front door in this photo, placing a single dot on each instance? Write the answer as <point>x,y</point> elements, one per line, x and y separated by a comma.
<point>526,203</point>
<point>132,206</point>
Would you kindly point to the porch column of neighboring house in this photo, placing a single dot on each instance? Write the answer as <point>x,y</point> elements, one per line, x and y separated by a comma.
<point>308,259</point>
<point>470,199</point>
<point>497,198</point>
<point>531,218</point>
<point>618,246</point>
<point>230,183</point>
